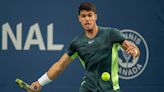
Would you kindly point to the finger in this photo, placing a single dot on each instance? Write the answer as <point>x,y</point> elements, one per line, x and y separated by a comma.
<point>129,50</point>
<point>132,52</point>
<point>126,43</point>
<point>134,56</point>
<point>136,53</point>
<point>36,88</point>
<point>32,88</point>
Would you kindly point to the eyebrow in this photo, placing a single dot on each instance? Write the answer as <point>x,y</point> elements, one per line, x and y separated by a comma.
<point>86,14</point>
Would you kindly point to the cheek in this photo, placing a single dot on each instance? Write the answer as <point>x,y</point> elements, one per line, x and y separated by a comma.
<point>82,22</point>
<point>81,19</point>
<point>93,21</point>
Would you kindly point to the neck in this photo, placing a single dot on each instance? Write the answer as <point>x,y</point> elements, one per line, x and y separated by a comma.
<point>91,33</point>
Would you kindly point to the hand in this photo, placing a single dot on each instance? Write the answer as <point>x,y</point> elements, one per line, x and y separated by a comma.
<point>133,51</point>
<point>35,87</point>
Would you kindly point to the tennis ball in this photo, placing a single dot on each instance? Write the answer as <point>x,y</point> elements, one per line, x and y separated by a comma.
<point>105,76</point>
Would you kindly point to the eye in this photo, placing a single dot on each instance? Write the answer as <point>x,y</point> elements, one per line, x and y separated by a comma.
<point>83,15</point>
<point>90,15</point>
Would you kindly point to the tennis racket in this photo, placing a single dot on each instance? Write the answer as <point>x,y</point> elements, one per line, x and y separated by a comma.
<point>23,85</point>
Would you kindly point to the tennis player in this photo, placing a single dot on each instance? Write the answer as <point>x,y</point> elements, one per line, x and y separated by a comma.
<point>94,48</point>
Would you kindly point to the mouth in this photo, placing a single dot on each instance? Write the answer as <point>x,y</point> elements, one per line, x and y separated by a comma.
<point>87,24</point>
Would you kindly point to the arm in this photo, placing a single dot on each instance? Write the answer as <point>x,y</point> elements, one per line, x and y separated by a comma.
<point>59,66</point>
<point>131,49</point>
<point>54,70</point>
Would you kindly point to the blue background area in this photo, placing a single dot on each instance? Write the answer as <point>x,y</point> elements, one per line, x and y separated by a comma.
<point>144,16</point>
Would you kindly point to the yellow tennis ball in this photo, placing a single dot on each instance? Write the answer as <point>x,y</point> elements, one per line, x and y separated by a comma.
<point>105,76</point>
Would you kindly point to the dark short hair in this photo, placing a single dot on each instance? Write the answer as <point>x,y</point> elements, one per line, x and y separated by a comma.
<point>88,6</point>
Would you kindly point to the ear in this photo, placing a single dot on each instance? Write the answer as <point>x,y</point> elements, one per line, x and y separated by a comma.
<point>79,18</point>
<point>95,16</point>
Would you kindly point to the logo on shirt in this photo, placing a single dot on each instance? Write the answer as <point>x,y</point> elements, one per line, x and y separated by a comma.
<point>130,68</point>
<point>90,42</point>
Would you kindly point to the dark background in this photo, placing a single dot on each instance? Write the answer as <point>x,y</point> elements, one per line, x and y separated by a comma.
<point>144,16</point>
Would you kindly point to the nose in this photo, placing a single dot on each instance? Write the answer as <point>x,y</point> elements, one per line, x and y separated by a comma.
<point>86,18</point>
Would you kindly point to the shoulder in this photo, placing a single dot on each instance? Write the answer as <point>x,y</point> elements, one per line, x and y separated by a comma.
<point>77,38</point>
<point>109,29</point>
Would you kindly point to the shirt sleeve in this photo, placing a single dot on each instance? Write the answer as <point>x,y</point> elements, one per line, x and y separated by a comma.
<point>71,51</point>
<point>117,36</point>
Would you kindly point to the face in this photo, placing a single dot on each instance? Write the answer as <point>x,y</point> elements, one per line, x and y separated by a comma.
<point>87,19</point>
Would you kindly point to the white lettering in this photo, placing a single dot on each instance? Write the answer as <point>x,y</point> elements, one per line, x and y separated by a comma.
<point>50,45</point>
<point>16,40</point>
<point>34,29</point>
<point>33,38</point>
<point>132,37</point>
<point>130,71</point>
<point>124,72</point>
<point>135,70</point>
<point>139,66</point>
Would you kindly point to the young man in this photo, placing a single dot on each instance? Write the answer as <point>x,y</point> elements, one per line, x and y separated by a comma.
<point>94,48</point>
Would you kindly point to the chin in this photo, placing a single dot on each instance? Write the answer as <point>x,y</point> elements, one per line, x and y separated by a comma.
<point>88,29</point>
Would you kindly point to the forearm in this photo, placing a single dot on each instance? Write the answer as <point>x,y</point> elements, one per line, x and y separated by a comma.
<point>54,71</point>
<point>50,74</point>
<point>56,68</point>
<point>59,66</point>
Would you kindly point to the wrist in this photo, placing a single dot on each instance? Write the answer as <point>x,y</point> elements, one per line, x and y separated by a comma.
<point>44,80</point>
